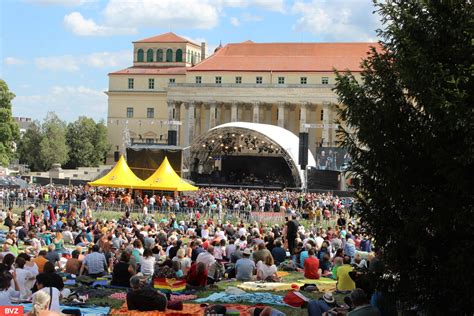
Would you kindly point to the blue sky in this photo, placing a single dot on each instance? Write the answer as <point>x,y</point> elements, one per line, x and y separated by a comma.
<point>55,54</point>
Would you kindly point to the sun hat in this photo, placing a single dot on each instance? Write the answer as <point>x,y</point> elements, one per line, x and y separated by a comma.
<point>247,252</point>
<point>328,298</point>
<point>31,206</point>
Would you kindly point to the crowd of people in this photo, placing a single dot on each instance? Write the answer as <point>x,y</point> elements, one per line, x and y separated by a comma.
<point>201,249</point>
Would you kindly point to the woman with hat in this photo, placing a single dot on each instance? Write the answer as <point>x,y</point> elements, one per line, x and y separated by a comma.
<point>321,306</point>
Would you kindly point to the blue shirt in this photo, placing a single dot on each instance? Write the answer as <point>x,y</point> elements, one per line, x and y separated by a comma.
<point>245,268</point>
<point>303,256</point>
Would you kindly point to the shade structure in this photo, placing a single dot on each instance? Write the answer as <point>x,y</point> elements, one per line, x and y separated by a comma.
<point>166,179</point>
<point>121,176</point>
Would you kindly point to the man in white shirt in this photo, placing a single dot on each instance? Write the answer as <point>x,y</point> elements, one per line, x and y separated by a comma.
<point>207,257</point>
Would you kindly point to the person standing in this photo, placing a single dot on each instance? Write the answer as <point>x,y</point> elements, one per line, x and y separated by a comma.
<point>291,233</point>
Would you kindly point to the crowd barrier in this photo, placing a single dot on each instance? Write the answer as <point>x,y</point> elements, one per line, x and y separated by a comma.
<point>276,217</point>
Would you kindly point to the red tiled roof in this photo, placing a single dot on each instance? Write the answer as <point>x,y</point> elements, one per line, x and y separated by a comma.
<point>169,37</point>
<point>301,57</point>
<point>150,71</point>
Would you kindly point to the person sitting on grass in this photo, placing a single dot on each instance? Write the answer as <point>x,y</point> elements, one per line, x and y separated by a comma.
<point>197,276</point>
<point>144,298</point>
<point>245,267</point>
<point>311,266</point>
<point>267,271</point>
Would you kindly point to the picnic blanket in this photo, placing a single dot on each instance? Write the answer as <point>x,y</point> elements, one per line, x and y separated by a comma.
<point>324,284</point>
<point>95,310</point>
<point>250,298</point>
<point>188,310</point>
<point>267,286</point>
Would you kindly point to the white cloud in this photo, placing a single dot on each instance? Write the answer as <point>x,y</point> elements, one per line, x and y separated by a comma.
<point>77,24</point>
<point>234,21</point>
<point>13,61</point>
<point>248,17</point>
<point>68,3</point>
<point>336,20</point>
<point>199,14</point>
<point>273,5</point>
<point>66,101</point>
<point>174,14</point>
<point>71,63</point>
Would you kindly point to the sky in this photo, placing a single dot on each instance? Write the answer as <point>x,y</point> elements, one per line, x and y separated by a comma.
<point>55,54</point>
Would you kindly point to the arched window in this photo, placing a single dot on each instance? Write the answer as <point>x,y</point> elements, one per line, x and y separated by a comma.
<point>159,55</point>
<point>193,58</point>
<point>199,57</point>
<point>188,56</point>
<point>149,55</point>
<point>179,55</point>
<point>169,55</point>
<point>140,55</point>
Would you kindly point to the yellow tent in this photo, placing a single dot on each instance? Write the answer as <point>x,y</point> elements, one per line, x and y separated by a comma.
<point>119,177</point>
<point>166,179</point>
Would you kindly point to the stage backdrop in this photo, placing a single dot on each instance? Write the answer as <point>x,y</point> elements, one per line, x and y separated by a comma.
<point>144,162</point>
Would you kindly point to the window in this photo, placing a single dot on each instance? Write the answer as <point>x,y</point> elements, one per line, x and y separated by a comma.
<point>179,55</point>
<point>324,80</point>
<point>281,80</point>
<point>172,80</point>
<point>149,140</point>
<point>238,80</point>
<point>188,56</point>
<point>259,80</point>
<point>149,55</point>
<point>140,55</point>
<point>150,112</point>
<point>151,83</point>
<point>129,112</point>
<point>130,83</point>
<point>199,57</point>
<point>322,115</point>
<point>159,55</point>
<point>218,80</point>
<point>198,79</point>
<point>303,80</point>
<point>169,55</point>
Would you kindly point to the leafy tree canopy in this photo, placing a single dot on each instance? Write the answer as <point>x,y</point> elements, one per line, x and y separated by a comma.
<point>9,130</point>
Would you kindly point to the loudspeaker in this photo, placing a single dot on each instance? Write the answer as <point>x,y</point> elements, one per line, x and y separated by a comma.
<point>303,151</point>
<point>172,138</point>
<point>116,156</point>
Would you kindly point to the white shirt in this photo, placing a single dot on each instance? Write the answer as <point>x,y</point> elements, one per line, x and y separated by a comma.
<point>5,296</point>
<point>265,271</point>
<point>147,265</point>
<point>23,277</point>
<point>206,258</point>
<point>55,297</point>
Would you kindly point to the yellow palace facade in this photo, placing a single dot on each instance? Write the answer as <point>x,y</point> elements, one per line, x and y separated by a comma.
<point>173,85</point>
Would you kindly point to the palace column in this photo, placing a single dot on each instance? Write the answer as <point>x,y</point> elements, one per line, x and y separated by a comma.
<point>198,129</point>
<point>256,112</point>
<point>190,122</point>
<point>303,107</point>
<point>212,114</point>
<point>281,114</point>
<point>171,118</point>
<point>233,112</point>
<point>325,132</point>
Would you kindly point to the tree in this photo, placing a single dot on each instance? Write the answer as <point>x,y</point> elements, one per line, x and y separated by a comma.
<point>28,146</point>
<point>410,136</point>
<point>53,147</point>
<point>9,130</point>
<point>87,141</point>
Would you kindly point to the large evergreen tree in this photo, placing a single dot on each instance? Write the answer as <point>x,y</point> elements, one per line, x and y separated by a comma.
<point>9,130</point>
<point>411,140</point>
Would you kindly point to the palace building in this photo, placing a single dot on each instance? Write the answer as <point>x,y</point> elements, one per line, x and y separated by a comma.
<point>173,93</point>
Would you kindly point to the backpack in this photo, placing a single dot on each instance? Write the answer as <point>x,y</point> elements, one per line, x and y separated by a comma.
<point>288,265</point>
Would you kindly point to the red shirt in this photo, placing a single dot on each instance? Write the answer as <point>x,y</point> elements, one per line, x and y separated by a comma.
<point>196,279</point>
<point>311,266</point>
